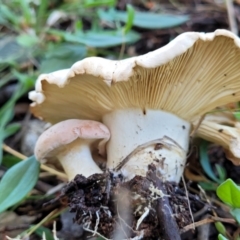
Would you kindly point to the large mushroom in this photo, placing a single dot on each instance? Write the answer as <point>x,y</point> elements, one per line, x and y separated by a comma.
<point>70,142</point>
<point>149,101</point>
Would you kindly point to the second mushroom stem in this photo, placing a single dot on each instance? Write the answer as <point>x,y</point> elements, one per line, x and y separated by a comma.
<point>78,155</point>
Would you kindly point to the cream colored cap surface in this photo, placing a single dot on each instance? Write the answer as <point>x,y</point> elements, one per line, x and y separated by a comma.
<point>193,74</point>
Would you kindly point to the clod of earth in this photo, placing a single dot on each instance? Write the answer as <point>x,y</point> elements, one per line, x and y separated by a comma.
<point>104,203</point>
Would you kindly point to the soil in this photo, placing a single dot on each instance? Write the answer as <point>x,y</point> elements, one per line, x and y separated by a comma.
<point>103,203</point>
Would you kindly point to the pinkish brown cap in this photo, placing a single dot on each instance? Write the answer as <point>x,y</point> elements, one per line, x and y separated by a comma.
<point>63,133</point>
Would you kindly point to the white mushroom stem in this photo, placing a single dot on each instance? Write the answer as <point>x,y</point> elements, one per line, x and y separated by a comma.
<point>77,155</point>
<point>133,131</point>
<point>227,137</point>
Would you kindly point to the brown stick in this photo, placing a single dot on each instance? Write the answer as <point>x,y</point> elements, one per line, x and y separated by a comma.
<point>167,225</point>
<point>206,221</point>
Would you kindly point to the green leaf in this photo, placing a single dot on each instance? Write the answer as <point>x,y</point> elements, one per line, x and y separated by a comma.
<point>6,112</point>
<point>237,115</point>
<point>146,20</point>
<point>204,160</point>
<point>6,13</point>
<point>221,172</point>
<point>17,182</point>
<point>102,39</point>
<point>10,160</point>
<point>62,56</point>
<point>10,51</point>
<point>99,3</point>
<point>220,227</point>
<point>236,214</point>
<point>11,129</point>
<point>27,82</point>
<point>3,20</point>
<point>41,14</point>
<point>78,26</point>
<point>130,18</point>
<point>208,186</point>
<point>5,79</point>
<point>27,40</point>
<point>26,10</point>
<point>221,237</point>
<point>48,233</point>
<point>229,193</point>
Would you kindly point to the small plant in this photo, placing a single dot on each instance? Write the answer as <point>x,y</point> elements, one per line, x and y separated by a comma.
<point>229,193</point>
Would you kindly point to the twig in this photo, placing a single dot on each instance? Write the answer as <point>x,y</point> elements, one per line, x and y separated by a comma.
<point>206,221</point>
<point>201,211</point>
<point>13,228</point>
<point>231,17</point>
<point>225,207</point>
<point>43,166</point>
<point>189,206</point>
<point>236,234</point>
<point>167,224</point>
<point>55,189</point>
<point>207,199</point>
<point>215,216</point>
<point>35,227</point>
<point>123,46</point>
<point>192,135</point>
<point>226,220</point>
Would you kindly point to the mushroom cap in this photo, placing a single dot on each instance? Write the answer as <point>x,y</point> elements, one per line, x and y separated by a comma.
<point>224,117</point>
<point>56,138</point>
<point>226,136</point>
<point>224,129</point>
<point>230,156</point>
<point>190,76</point>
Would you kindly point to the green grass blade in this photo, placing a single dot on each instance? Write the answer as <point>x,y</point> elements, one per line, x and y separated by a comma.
<point>130,18</point>
<point>204,160</point>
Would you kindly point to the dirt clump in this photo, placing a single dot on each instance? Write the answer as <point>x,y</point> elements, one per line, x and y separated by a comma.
<point>142,208</point>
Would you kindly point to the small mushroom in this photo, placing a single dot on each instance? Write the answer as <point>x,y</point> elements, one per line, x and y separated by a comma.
<point>147,102</point>
<point>70,142</point>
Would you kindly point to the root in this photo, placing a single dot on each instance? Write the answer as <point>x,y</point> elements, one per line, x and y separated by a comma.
<point>144,215</point>
<point>86,228</point>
